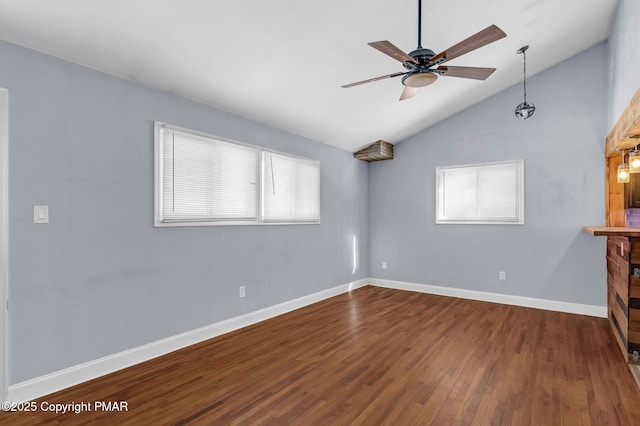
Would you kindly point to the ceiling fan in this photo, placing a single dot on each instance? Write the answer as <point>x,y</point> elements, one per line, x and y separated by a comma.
<point>421,62</point>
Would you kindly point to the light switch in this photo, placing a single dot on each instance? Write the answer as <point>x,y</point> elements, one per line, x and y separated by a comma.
<point>40,214</point>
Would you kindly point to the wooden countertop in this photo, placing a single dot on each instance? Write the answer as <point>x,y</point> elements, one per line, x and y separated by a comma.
<point>610,231</point>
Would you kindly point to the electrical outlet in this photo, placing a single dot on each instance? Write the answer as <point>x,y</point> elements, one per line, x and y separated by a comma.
<point>243,292</point>
<point>384,265</point>
<point>502,276</point>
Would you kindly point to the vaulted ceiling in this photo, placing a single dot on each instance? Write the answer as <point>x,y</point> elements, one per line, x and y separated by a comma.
<point>282,62</point>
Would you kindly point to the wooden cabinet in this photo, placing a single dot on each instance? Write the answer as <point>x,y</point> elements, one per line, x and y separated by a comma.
<point>623,292</point>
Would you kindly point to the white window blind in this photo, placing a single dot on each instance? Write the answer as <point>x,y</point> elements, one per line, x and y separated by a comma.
<point>481,193</point>
<point>206,179</point>
<point>201,180</point>
<point>291,189</point>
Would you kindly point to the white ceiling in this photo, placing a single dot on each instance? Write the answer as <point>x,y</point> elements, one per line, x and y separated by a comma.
<point>282,62</point>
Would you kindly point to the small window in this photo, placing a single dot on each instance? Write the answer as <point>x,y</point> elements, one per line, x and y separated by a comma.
<point>291,189</point>
<point>490,193</point>
<point>202,180</point>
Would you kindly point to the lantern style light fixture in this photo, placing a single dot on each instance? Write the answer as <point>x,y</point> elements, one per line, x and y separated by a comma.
<point>525,109</point>
<point>623,170</point>
<point>634,160</point>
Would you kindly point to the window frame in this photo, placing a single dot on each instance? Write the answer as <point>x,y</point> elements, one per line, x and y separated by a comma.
<point>159,221</point>
<point>518,219</point>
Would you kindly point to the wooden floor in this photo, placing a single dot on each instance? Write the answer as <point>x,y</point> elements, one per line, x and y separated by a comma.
<point>635,372</point>
<point>377,356</point>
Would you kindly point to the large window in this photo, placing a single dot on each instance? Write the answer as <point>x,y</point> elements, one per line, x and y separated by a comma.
<point>481,193</point>
<point>201,180</point>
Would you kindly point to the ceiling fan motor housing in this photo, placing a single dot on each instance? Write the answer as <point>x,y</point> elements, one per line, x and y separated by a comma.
<point>423,56</point>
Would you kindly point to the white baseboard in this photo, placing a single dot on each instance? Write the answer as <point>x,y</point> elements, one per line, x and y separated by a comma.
<point>53,382</point>
<point>507,299</point>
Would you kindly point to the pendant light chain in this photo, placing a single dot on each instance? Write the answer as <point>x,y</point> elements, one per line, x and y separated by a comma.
<point>524,72</point>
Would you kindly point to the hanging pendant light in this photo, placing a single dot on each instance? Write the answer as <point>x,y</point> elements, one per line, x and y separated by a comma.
<point>634,160</point>
<point>525,109</point>
<point>623,170</point>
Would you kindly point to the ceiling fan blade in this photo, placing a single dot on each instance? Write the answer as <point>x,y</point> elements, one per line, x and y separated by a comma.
<point>408,92</point>
<point>476,73</point>
<point>370,80</point>
<point>479,39</point>
<point>390,49</point>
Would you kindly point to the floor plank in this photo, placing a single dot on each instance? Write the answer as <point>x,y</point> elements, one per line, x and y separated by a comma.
<point>377,356</point>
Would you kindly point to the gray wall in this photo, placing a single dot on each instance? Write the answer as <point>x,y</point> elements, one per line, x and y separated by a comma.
<point>100,278</point>
<point>623,59</point>
<point>549,257</point>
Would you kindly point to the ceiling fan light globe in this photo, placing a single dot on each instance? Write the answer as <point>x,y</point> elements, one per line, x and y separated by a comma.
<point>419,79</point>
<point>525,110</point>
